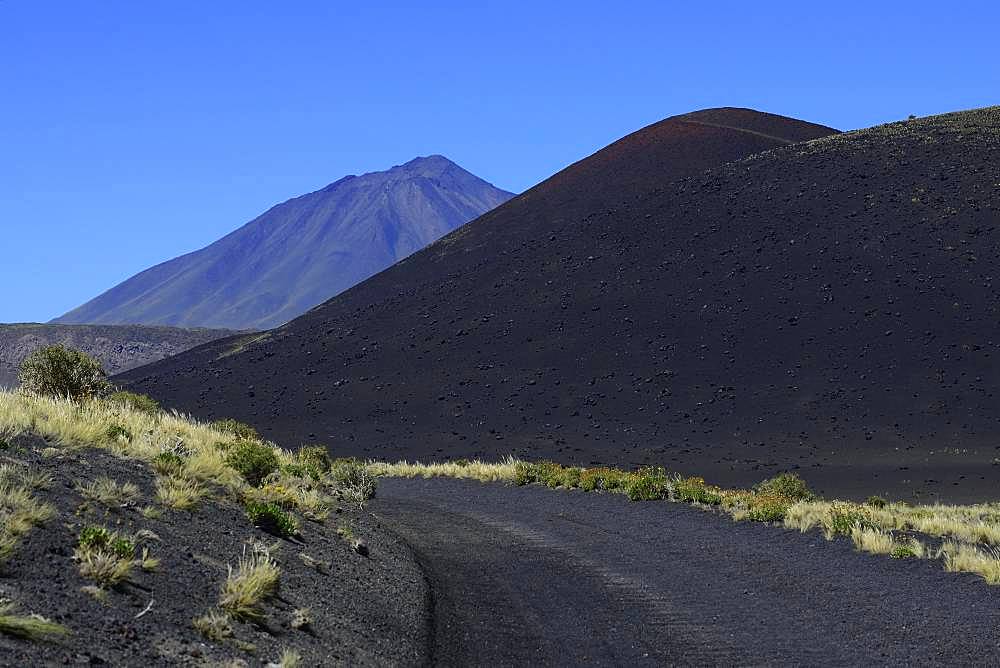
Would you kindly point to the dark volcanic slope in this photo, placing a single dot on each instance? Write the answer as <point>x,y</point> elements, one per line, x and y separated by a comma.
<point>302,252</point>
<point>118,348</point>
<point>610,314</point>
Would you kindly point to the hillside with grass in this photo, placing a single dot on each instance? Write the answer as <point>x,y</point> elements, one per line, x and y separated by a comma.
<point>131,535</point>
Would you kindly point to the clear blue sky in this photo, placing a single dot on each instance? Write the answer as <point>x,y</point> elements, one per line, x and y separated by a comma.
<point>132,132</point>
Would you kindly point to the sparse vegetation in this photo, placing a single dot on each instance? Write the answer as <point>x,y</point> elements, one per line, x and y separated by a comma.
<point>786,485</point>
<point>254,460</point>
<point>255,579</point>
<point>28,627</point>
<point>214,625</point>
<point>109,492</point>
<point>353,480</point>
<point>179,493</point>
<point>236,429</point>
<point>62,372</point>
<point>104,556</point>
<point>20,509</point>
<point>135,402</point>
<point>272,518</point>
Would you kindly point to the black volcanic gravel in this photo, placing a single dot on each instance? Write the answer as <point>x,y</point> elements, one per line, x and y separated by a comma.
<point>532,576</point>
<point>367,610</point>
<point>828,307</point>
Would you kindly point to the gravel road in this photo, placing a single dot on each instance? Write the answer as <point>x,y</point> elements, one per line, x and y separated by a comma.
<point>531,576</point>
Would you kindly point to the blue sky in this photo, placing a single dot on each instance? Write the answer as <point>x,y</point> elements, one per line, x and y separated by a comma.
<point>132,132</point>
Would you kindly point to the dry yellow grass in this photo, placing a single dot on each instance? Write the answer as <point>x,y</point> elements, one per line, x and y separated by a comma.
<point>20,512</point>
<point>109,492</point>
<point>505,471</point>
<point>255,579</point>
<point>179,493</point>
<point>964,558</point>
<point>28,627</point>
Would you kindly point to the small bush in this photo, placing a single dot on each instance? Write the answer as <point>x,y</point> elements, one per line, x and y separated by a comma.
<point>788,485</point>
<point>116,432</point>
<point>846,517</point>
<point>767,507</point>
<point>353,479</point>
<point>272,518</point>
<point>63,372</point>
<point>315,456</point>
<point>104,556</point>
<point>214,625</point>
<point>96,538</point>
<point>253,460</point>
<point>135,402</point>
<point>235,428</point>
<point>694,490</point>
<point>648,484</point>
<point>876,502</point>
<point>602,479</point>
<point>168,463</point>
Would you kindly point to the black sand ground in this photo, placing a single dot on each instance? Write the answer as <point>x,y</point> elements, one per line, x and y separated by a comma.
<point>532,576</point>
<point>367,611</point>
<point>828,307</point>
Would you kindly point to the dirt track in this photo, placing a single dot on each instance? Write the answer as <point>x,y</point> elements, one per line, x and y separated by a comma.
<point>531,576</point>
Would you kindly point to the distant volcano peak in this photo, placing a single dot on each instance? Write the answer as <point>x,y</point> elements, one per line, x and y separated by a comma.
<point>302,252</point>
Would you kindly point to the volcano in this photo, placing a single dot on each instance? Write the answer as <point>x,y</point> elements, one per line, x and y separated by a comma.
<point>302,252</point>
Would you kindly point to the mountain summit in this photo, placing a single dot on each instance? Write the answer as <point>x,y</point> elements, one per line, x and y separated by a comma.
<point>302,252</point>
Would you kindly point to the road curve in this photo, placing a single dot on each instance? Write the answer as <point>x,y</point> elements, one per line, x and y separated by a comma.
<point>531,576</point>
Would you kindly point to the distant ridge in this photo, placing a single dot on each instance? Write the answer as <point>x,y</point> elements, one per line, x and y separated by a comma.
<point>301,252</point>
<point>117,347</point>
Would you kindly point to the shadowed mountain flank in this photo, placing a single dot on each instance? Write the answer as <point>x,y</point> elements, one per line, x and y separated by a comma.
<point>117,347</point>
<point>302,252</point>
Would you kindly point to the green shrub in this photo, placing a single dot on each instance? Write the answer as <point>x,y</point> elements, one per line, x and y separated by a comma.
<point>116,432</point>
<point>168,463</point>
<point>903,552</point>
<point>647,485</point>
<point>272,518</point>
<point>876,502</point>
<point>603,479</point>
<point>354,479</point>
<point>99,539</point>
<point>235,428</point>
<point>136,402</point>
<point>763,507</point>
<point>844,517</point>
<point>63,372</point>
<point>788,485</point>
<point>253,460</point>
<point>311,461</point>
<point>694,490</point>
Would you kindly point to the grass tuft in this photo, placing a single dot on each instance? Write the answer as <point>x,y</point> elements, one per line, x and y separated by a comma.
<point>214,625</point>
<point>255,579</point>
<point>28,627</point>
<point>109,492</point>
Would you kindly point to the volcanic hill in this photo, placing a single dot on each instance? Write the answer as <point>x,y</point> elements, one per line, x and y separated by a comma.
<point>118,347</point>
<point>647,304</point>
<point>302,252</point>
